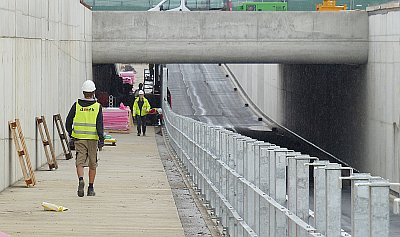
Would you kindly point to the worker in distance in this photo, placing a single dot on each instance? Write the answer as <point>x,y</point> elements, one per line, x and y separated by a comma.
<point>141,108</point>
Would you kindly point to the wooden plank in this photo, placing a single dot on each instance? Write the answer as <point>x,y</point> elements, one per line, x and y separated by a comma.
<point>26,155</point>
<point>23,155</point>
<point>50,144</point>
<point>20,152</point>
<point>40,125</point>
<point>63,136</point>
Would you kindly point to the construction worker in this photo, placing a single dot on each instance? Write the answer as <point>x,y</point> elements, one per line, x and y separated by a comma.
<point>141,107</point>
<point>85,126</point>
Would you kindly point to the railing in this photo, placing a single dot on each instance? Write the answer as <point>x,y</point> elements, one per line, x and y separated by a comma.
<point>259,189</point>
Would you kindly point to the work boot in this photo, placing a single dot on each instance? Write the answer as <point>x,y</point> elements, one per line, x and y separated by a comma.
<point>81,186</point>
<point>90,192</point>
<point>138,134</point>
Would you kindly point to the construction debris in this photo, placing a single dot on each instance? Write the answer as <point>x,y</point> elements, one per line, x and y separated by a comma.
<point>53,207</point>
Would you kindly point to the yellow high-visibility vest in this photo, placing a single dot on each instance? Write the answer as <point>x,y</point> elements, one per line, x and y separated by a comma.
<point>84,126</point>
<point>145,109</point>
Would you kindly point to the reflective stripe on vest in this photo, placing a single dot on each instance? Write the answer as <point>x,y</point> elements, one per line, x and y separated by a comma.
<point>84,126</point>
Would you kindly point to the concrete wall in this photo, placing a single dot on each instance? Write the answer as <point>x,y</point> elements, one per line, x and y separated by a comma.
<point>352,111</point>
<point>45,55</point>
<point>230,37</point>
<point>383,94</point>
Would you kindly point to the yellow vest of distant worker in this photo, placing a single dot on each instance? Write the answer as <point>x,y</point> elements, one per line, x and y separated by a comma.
<point>84,126</point>
<point>145,109</point>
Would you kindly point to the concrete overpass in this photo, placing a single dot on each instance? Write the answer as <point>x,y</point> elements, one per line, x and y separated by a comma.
<point>231,37</point>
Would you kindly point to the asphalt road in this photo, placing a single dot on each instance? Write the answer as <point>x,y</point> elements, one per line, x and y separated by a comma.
<point>204,93</point>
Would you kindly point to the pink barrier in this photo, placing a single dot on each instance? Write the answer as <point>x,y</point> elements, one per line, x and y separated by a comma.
<point>116,118</point>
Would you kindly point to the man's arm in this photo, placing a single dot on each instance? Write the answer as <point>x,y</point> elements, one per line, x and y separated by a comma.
<point>70,119</point>
<point>147,106</point>
<point>99,125</point>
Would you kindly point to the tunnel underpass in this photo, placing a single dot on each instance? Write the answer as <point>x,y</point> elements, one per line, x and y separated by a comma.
<point>320,120</point>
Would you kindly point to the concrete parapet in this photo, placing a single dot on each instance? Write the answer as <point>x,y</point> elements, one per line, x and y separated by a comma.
<point>235,37</point>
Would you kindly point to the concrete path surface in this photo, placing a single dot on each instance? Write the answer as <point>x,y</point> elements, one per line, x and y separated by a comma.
<point>133,197</point>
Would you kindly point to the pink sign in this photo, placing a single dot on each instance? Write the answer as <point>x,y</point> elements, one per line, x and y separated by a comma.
<point>128,77</point>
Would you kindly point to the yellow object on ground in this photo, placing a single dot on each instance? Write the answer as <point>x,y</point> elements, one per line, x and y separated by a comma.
<point>110,141</point>
<point>330,5</point>
<point>53,207</point>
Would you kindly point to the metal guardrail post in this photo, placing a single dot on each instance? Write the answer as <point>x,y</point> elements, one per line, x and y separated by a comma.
<point>280,191</point>
<point>370,206</point>
<point>208,162</point>
<point>224,174</point>
<point>333,199</point>
<point>379,208</point>
<point>202,159</point>
<point>232,188</point>
<point>265,187</point>
<point>248,197</point>
<point>298,190</point>
<point>257,146</point>
<point>192,149</point>
<point>257,161</point>
<point>320,210</point>
<point>218,170</point>
<point>277,182</point>
<point>360,205</point>
<point>212,164</point>
<point>272,187</point>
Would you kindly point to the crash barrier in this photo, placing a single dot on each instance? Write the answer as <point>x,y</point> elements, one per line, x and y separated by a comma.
<point>22,151</point>
<point>260,189</point>
<point>46,141</point>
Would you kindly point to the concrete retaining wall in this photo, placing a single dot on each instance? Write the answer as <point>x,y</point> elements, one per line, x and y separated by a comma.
<point>45,55</point>
<point>383,94</point>
<point>352,111</point>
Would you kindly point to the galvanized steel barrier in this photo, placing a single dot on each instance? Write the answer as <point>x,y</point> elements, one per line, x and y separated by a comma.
<point>259,189</point>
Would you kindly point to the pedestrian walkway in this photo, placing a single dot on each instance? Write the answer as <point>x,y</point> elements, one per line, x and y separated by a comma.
<point>133,197</point>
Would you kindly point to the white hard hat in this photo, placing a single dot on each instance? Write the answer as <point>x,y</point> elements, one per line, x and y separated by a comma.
<point>141,92</point>
<point>88,86</point>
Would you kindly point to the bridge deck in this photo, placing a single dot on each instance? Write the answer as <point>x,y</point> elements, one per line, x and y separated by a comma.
<point>133,197</point>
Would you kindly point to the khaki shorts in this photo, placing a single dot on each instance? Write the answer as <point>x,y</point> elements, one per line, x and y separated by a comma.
<point>86,153</point>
